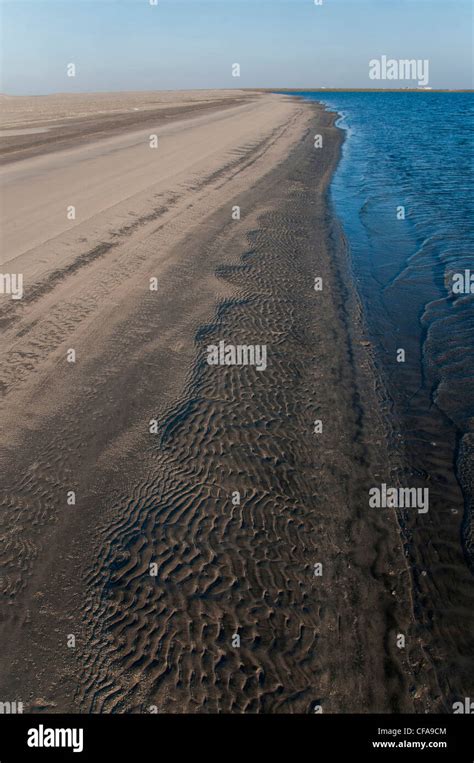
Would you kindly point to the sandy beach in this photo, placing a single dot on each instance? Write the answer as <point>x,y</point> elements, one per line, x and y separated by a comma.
<point>207,503</point>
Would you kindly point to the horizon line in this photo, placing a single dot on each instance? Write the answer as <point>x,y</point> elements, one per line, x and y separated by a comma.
<point>250,89</point>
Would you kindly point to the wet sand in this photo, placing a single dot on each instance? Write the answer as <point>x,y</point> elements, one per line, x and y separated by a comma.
<point>224,568</point>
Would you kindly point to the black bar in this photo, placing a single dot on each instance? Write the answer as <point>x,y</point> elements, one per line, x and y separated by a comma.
<point>311,738</point>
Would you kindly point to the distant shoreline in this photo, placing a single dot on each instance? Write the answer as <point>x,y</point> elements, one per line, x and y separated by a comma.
<point>242,89</point>
<point>361,90</point>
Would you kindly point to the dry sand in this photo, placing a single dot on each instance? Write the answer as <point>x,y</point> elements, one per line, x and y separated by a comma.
<point>222,569</point>
<point>68,120</point>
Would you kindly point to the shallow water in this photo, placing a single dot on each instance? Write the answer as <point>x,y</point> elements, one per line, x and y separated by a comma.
<point>414,150</point>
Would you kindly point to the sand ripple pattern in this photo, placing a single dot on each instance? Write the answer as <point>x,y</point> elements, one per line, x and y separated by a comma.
<point>164,643</point>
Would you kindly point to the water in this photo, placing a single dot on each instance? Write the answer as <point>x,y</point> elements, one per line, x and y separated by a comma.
<point>415,150</point>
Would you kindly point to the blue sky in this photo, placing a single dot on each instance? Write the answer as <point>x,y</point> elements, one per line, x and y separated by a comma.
<point>130,45</point>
